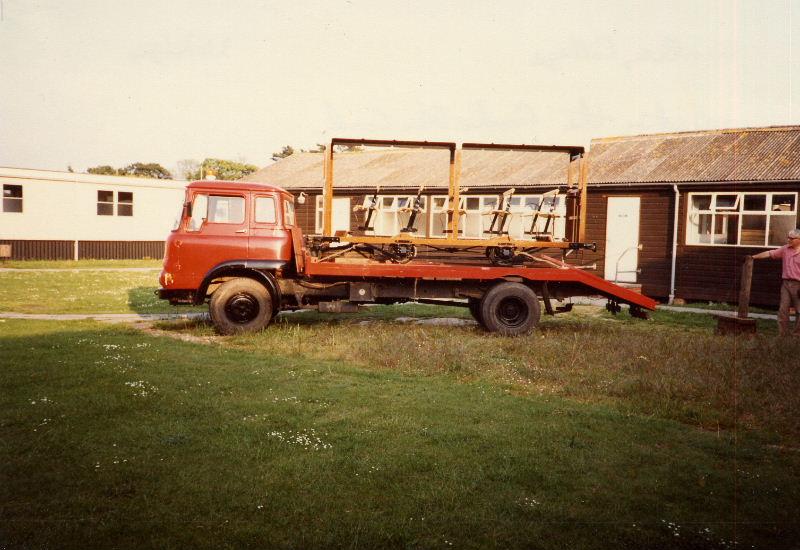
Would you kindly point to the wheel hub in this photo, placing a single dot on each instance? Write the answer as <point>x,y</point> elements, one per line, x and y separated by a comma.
<point>242,308</point>
<point>512,311</point>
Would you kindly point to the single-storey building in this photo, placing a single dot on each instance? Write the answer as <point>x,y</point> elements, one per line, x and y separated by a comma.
<point>678,212</point>
<point>64,215</point>
<point>675,213</point>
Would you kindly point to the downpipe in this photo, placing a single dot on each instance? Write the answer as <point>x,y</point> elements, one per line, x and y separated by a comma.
<point>674,244</point>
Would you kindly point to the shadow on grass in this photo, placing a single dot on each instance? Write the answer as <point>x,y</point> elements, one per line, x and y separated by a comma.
<point>143,299</point>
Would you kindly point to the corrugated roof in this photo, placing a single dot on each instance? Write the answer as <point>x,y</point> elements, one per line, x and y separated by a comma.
<point>411,167</point>
<point>745,154</point>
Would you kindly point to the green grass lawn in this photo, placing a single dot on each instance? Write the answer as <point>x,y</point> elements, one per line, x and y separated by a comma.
<point>365,432</point>
<point>81,292</point>
<point>79,264</point>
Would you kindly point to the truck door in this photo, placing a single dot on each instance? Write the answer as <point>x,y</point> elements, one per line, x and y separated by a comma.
<point>218,228</point>
<point>268,239</point>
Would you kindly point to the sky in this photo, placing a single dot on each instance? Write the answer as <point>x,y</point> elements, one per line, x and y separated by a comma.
<point>86,82</point>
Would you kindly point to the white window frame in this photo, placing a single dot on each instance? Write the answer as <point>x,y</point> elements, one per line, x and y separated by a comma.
<point>319,206</point>
<point>389,218</point>
<point>110,203</point>
<point>522,211</point>
<point>693,235</point>
<point>525,209</point>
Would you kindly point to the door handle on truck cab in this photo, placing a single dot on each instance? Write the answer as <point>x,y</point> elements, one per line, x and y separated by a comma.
<point>241,231</point>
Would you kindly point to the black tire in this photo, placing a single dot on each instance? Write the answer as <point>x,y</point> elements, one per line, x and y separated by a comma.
<point>510,309</point>
<point>240,305</point>
<point>475,310</point>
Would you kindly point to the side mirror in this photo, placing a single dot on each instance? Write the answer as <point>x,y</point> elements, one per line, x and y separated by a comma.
<point>187,209</point>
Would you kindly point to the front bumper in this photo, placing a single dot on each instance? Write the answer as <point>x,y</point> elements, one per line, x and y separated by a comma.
<point>176,296</point>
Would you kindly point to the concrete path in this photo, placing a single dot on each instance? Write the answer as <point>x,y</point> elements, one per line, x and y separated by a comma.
<point>108,317</point>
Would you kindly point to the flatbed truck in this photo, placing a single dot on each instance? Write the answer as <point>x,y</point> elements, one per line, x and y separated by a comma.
<point>238,246</point>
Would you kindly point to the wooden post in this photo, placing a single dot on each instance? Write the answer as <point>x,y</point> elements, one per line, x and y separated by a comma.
<point>744,287</point>
<point>741,324</point>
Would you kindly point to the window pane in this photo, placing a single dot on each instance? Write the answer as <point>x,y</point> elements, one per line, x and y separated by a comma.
<point>125,197</point>
<point>12,191</point>
<point>265,210</point>
<point>784,203</point>
<point>473,203</point>
<point>388,201</point>
<point>225,209</point>
<point>288,212</point>
<point>699,229</point>
<point>755,203</point>
<point>105,209</point>
<point>124,210</point>
<point>726,228</point>
<point>490,203</point>
<point>199,212</point>
<point>105,196</point>
<point>727,202</point>
<point>701,202</point>
<point>12,205</point>
<point>754,229</point>
<point>779,226</point>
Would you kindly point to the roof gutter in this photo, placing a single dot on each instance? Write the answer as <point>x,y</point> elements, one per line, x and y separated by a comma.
<point>674,242</point>
<point>592,185</point>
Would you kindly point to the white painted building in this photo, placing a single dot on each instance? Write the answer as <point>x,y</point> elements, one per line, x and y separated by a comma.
<point>46,210</point>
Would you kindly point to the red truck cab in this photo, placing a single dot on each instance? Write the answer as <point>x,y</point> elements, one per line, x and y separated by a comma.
<point>226,227</point>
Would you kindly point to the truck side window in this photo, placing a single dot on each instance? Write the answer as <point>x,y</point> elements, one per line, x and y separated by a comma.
<point>265,210</point>
<point>199,212</point>
<point>288,213</point>
<point>225,209</point>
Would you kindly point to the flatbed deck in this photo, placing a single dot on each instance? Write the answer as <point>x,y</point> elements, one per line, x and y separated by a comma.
<point>431,271</point>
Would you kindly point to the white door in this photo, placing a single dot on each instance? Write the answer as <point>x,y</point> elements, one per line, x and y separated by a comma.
<point>341,214</point>
<point>622,239</point>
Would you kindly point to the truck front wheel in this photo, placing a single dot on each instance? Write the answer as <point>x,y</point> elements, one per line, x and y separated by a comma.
<point>510,309</point>
<point>240,305</point>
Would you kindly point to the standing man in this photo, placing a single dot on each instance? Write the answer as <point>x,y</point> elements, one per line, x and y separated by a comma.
<point>790,273</point>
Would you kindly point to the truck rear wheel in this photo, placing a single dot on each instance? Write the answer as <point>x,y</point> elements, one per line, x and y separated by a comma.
<point>240,305</point>
<point>510,309</point>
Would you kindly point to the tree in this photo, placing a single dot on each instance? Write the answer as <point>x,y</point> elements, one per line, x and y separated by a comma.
<point>222,169</point>
<point>320,148</point>
<point>103,170</point>
<point>145,170</point>
<point>187,168</point>
<point>348,148</point>
<point>287,150</point>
